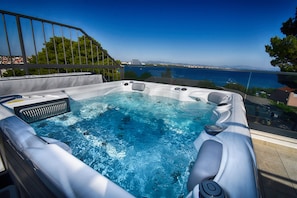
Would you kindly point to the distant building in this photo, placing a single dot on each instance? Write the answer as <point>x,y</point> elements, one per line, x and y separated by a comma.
<point>125,63</point>
<point>292,100</point>
<point>6,60</point>
<point>285,95</point>
<point>135,62</point>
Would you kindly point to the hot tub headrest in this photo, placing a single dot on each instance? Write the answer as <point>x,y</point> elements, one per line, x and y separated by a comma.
<point>23,136</point>
<point>207,163</point>
<point>218,98</point>
<point>138,86</point>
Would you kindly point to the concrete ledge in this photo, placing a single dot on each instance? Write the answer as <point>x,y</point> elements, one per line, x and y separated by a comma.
<point>272,139</point>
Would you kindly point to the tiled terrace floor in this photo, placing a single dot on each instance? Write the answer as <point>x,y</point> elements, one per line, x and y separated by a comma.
<point>277,164</point>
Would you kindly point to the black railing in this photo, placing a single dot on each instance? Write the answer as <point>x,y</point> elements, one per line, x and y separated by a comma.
<point>30,45</point>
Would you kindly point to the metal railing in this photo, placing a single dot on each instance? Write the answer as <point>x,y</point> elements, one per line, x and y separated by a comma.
<point>30,45</point>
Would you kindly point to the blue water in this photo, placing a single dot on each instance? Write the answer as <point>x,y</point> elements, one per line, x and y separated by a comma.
<point>219,77</point>
<point>142,143</point>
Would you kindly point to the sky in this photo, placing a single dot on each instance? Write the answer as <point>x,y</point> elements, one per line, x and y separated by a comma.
<point>203,32</point>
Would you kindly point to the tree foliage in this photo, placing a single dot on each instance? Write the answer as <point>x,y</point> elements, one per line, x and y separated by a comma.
<point>207,84</point>
<point>167,73</point>
<point>284,50</point>
<point>131,75</point>
<point>61,50</point>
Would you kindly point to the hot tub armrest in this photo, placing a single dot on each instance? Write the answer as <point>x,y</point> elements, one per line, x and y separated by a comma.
<point>72,176</point>
<point>207,163</point>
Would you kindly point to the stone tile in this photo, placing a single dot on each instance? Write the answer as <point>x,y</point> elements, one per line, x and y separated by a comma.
<point>290,165</point>
<point>277,167</point>
<point>264,151</point>
<point>268,157</point>
<point>268,160</point>
<point>289,159</point>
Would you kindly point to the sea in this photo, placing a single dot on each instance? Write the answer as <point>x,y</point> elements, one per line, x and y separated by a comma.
<point>221,77</point>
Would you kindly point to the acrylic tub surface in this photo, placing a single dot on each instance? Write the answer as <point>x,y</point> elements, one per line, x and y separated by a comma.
<point>235,171</point>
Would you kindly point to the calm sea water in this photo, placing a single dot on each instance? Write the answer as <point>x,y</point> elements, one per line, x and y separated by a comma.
<point>219,77</point>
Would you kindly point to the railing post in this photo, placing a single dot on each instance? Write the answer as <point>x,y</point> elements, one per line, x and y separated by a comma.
<point>34,41</point>
<point>6,36</point>
<point>122,73</point>
<point>22,43</point>
<point>55,47</point>
<point>44,38</point>
<point>64,51</point>
<point>86,52</point>
<point>72,55</point>
<point>79,55</point>
<point>247,86</point>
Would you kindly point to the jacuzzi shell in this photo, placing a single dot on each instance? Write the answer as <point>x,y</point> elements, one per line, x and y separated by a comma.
<point>64,175</point>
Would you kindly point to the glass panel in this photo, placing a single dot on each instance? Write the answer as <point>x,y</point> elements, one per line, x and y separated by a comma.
<point>270,97</point>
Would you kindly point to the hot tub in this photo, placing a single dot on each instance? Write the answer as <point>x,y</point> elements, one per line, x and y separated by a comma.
<point>225,163</point>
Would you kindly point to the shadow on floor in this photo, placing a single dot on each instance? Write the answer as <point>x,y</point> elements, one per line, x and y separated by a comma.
<point>276,186</point>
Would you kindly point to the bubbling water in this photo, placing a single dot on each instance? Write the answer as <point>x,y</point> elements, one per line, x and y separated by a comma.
<point>142,143</point>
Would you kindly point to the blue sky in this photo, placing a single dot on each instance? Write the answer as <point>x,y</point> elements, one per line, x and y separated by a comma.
<point>208,32</point>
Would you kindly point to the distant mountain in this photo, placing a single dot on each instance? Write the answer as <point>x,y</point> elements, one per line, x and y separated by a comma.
<point>172,63</point>
<point>248,67</point>
<point>158,62</point>
<point>239,67</point>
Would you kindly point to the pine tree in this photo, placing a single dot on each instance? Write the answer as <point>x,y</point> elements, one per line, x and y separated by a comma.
<point>284,50</point>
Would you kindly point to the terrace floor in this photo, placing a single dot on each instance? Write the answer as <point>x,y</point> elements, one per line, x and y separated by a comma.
<point>277,164</point>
